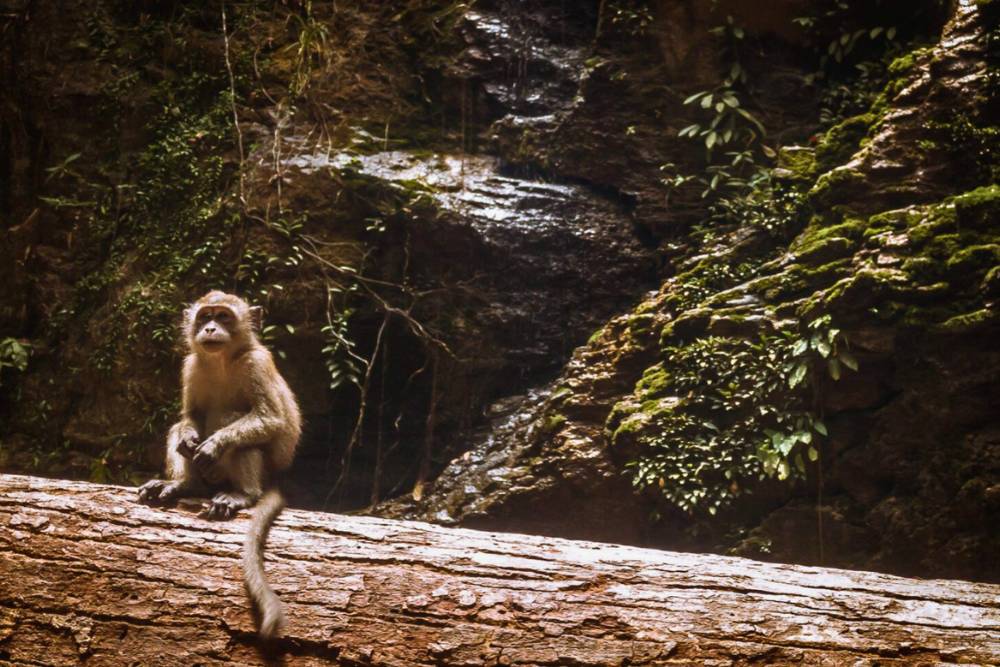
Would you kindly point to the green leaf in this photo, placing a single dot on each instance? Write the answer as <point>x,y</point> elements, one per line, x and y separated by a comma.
<point>834,367</point>
<point>695,97</point>
<point>891,33</point>
<point>813,454</point>
<point>798,375</point>
<point>823,347</point>
<point>875,32</point>
<point>706,102</point>
<point>710,139</point>
<point>820,427</point>
<point>750,117</point>
<point>848,360</point>
<point>800,347</point>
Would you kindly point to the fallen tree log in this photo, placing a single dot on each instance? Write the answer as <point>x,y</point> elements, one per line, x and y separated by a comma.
<point>89,576</point>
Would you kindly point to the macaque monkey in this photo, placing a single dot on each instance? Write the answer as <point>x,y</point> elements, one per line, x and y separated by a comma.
<point>239,426</point>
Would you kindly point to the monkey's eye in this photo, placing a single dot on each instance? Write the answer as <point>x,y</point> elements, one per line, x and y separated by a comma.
<point>222,316</point>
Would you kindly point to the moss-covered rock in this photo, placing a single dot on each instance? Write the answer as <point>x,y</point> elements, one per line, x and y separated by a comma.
<point>843,140</point>
<point>980,208</point>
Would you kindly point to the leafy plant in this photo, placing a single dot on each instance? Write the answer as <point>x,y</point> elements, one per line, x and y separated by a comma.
<point>842,45</point>
<point>773,207</point>
<point>343,364</point>
<point>744,412</point>
<point>311,48</point>
<point>630,17</point>
<point>726,124</point>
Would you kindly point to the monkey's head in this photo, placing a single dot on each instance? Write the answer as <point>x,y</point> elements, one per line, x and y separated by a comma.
<point>220,322</point>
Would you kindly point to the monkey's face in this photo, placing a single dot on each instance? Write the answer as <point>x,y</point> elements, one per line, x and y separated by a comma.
<point>214,328</point>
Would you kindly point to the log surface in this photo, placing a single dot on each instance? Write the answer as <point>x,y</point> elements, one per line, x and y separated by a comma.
<point>89,576</point>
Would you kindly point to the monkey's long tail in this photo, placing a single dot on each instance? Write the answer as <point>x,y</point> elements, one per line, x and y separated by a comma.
<point>272,617</point>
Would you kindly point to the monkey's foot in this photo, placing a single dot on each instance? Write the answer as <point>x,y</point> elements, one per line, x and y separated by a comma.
<point>159,492</point>
<point>226,505</point>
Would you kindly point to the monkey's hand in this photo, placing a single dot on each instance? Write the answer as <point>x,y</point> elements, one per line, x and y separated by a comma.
<point>188,444</point>
<point>207,453</point>
<point>159,492</point>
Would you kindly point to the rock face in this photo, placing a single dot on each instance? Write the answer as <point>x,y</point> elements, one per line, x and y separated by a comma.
<point>899,249</point>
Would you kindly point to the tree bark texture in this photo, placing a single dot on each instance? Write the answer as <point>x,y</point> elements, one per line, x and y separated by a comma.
<point>88,576</point>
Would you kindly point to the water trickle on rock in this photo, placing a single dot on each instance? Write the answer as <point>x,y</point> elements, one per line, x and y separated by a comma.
<point>555,259</point>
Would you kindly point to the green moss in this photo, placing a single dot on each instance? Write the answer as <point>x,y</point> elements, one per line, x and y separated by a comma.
<point>799,279</point>
<point>842,141</point>
<point>924,226</point>
<point>796,163</point>
<point>553,423</point>
<point>902,69</point>
<point>836,186</point>
<point>821,243</point>
<point>640,324</point>
<point>969,321</point>
<point>653,382</point>
<point>863,289</point>
<point>903,65</point>
<point>889,221</point>
<point>922,269</point>
<point>974,258</point>
<point>979,208</point>
<point>628,425</point>
<point>561,394</point>
<point>824,249</point>
<point>991,282</point>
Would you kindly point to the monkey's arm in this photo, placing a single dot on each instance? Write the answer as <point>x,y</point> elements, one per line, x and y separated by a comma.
<point>185,435</point>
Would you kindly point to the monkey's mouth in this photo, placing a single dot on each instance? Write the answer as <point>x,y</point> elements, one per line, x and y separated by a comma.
<point>212,345</point>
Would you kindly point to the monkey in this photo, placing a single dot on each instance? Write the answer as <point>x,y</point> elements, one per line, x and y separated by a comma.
<point>239,425</point>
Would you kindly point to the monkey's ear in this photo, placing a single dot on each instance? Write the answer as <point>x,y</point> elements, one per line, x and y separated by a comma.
<point>256,318</point>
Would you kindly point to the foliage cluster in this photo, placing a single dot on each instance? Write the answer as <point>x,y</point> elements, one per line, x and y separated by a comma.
<point>725,123</point>
<point>13,354</point>
<point>744,413</point>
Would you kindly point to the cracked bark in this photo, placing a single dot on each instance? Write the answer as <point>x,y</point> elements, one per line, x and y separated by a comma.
<point>89,576</point>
